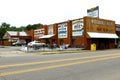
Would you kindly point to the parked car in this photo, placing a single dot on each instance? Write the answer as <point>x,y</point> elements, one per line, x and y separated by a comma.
<point>19,43</point>
<point>36,43</point>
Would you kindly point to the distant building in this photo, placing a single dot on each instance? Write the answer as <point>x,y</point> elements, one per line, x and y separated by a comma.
<point>118,33</point>
<point>12,36</point>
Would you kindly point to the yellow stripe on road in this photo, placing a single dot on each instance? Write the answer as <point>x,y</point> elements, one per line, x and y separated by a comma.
<point>57,66</point>
<point>52,61</point>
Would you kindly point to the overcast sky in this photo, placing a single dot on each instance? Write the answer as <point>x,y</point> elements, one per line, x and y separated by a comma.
<point>24,12</point>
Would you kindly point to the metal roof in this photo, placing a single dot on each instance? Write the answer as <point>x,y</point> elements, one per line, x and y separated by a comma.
<point>15,33</point>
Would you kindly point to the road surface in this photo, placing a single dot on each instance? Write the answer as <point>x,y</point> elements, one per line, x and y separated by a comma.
<point>96,65</point>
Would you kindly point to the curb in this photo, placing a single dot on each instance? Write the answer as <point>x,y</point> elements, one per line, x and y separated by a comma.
<point>63,52</point>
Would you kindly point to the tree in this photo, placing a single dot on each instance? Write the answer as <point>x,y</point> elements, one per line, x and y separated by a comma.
<point>6,27</point>
<point>34,26</point>
<point>3,29</point>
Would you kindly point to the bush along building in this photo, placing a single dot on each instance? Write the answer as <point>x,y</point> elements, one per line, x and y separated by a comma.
<point>82,33</point>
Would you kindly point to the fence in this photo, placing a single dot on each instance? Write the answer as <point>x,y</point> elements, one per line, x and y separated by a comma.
<point>43,48</point>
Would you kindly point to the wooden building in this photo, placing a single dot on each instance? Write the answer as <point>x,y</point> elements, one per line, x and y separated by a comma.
<point>46,34</point>
<point>12,36</point>
<point>80,32</point>
<point>99,31</point>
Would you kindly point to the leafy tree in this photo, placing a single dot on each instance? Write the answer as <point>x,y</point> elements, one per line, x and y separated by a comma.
<point>12,28</point>
<point>3,29</point>
<point>34,26</point>
<point>6,27</point>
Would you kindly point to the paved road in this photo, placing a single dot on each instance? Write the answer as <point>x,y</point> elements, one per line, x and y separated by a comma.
<point>10,48</point>
<point>98,65</point>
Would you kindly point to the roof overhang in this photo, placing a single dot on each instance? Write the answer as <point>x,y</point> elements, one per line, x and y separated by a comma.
<point>46,36</point>
<point>102,35</point>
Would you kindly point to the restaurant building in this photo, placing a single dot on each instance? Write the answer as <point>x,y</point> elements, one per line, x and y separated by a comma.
<point>99,31</point>
<point>80,32</point>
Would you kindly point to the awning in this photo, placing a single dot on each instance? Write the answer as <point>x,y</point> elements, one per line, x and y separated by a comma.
<point>46,36</point>
<point>102,35</point>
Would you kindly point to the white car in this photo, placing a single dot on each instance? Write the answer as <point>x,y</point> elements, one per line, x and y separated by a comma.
<point>36,43</point>
<point>19,43</point>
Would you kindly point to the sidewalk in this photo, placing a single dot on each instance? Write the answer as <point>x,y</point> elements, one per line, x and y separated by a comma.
<point>43,51</point>
<point>56,51</point>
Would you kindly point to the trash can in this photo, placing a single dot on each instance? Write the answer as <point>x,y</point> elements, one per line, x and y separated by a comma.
<point>93,47</point>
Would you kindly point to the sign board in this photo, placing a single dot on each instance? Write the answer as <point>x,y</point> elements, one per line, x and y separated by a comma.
<point>77,28</point>
<point>62,30</point>
<point>39,32</point>
<point>93,12</point>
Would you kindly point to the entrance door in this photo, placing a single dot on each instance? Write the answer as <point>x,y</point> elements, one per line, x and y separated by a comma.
<point>73,42</point>
<point>103,44</point>
<point>47,41</point>
<point>61,41</point>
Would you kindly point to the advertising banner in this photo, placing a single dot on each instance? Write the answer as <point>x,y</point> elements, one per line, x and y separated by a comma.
<point>93,12</point>
<point>62,30</point>
<point>77,28</point>
<point>39,32</point>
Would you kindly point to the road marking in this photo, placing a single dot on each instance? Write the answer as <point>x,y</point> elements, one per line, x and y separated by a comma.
<point>57,66</point>
<point>52,61</point>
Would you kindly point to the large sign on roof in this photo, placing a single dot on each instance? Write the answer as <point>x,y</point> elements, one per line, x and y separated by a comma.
<point>93,12</point>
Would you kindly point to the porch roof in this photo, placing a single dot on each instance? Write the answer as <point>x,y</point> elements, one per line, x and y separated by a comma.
<point>102,35</point>
<point>46,36</point>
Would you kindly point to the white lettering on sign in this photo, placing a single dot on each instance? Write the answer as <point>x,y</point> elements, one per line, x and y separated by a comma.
<point>39,31</point>
<point>101,22</point>
<point>62,30</point>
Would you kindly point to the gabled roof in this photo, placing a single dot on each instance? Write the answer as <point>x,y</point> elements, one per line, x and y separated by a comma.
<point>12,33</point>
<point>23,34</point>
<point>15,33</point>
